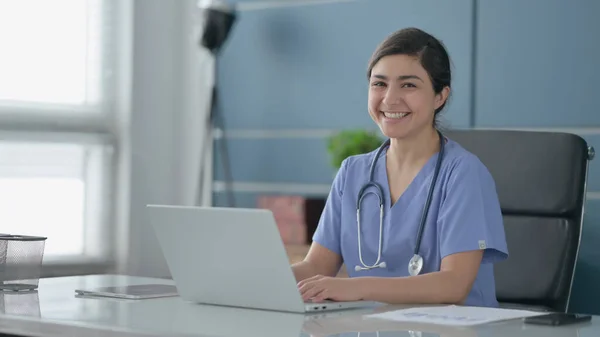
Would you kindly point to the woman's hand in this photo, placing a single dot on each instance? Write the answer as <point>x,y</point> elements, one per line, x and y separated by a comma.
<point>319,288</point>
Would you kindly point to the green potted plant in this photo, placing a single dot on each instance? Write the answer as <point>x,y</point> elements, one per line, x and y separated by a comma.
<point>347,143</point>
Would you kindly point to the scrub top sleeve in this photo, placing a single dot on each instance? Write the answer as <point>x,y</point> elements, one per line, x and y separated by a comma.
<point>327,233</point>
<point>470,217</point>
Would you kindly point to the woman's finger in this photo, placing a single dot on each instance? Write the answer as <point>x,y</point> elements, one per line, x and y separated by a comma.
<point>311,290</point>
<point>314,292</point>
<point>310,279</point>
<point>321,296</point>
<point>306,287</point>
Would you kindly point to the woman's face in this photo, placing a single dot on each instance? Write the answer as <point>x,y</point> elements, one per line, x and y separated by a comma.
<point>401,97</point>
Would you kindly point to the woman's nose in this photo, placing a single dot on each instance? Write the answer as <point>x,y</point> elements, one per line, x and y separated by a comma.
<point>393,97</point>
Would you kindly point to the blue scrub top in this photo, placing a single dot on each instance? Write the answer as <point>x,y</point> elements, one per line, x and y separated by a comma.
<point>465,215</point>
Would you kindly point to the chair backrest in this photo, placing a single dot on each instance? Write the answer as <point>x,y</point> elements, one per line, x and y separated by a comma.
<point>541,182</point>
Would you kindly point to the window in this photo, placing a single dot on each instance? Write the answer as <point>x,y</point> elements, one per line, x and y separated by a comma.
<point>56,110</point>
<point>46,189</point>
<point>52,52</point>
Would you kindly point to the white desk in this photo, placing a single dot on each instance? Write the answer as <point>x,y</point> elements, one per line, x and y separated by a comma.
<point>56,311</point>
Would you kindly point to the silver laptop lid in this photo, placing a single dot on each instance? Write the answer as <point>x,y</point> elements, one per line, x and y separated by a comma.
<point>226,256</point>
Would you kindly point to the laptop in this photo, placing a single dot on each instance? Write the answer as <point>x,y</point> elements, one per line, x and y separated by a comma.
<point>231,257</point>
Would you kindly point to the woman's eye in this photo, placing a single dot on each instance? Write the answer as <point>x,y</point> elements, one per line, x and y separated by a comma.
<point>408,85</point>
<point>378,84</point>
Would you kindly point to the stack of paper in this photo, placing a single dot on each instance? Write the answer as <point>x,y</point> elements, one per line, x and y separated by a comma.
<point>454,315</point>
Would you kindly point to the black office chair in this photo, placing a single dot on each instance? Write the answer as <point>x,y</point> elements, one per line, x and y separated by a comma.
<point>541,182</point>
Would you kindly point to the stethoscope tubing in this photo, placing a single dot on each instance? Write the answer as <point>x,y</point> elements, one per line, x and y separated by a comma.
<point>371,183</point>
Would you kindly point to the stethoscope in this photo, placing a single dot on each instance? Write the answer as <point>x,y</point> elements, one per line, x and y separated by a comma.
<point>416,262</point>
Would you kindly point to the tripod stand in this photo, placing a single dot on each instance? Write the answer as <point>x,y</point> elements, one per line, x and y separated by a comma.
<point>219,19</point>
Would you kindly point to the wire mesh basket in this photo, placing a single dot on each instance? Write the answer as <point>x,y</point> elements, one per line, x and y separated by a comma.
<point>20,262</point>
<point>21,303</point>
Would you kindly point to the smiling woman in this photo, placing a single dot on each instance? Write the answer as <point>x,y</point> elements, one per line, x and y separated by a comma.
<point>407,236</point>
<point>423,79</point>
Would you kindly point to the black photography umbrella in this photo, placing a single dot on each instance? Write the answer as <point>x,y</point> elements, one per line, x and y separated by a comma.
<point>219,18</point>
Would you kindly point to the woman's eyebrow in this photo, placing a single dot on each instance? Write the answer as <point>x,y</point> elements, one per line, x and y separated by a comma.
<point>401,77</point>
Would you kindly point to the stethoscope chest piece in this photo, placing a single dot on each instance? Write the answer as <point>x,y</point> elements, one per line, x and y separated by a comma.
<point>415,265</point>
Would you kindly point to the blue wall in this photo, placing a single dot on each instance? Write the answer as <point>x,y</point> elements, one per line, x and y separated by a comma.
<point>290,75</point>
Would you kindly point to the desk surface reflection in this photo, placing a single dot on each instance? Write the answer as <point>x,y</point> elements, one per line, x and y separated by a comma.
<point>55,310</point>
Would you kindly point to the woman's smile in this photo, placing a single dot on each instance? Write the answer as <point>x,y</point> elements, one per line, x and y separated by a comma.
<point>395,117</point>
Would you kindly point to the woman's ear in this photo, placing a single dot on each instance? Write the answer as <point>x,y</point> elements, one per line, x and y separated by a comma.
<point>441,97</point>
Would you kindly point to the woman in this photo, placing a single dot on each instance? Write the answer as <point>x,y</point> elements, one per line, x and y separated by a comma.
<point>463,235</point>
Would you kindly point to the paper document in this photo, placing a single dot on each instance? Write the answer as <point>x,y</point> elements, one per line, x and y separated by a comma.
<point>454,315</point>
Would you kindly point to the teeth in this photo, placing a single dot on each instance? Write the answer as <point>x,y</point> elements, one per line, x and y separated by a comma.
<point>395,115</point>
